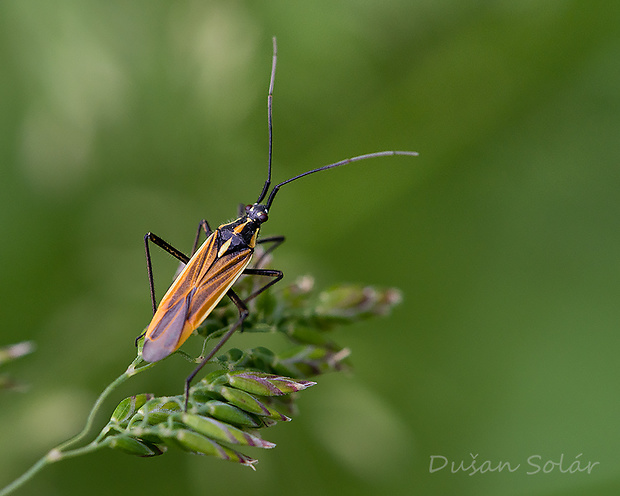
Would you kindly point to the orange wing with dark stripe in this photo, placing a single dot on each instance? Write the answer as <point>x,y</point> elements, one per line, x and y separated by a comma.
<point>194,294</point>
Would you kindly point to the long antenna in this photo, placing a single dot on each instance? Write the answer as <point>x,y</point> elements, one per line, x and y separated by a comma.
<point>325,167</point>
<point>277,187</point>
<point>270,119</point>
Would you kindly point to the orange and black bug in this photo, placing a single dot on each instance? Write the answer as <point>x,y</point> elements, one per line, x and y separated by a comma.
<point>213,268</point>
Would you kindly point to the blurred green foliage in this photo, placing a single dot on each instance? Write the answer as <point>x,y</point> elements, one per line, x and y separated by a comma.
<point>118,118</point>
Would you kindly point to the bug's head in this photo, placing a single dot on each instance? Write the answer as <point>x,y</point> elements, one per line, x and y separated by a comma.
<point>257,213</point>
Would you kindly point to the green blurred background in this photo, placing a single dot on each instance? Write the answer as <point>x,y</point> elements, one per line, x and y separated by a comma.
<point>122,117</point>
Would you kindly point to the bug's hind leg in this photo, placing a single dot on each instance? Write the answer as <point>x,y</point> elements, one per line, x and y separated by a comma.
<point>239,303</point>
<point>243,314</point>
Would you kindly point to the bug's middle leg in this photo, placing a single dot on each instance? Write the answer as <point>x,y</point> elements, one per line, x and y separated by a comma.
<point>276,274</point>
<point>156,240</point>
<point>203,225</point>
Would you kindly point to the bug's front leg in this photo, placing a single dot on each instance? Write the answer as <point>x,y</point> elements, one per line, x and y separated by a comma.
<point>276,240</point>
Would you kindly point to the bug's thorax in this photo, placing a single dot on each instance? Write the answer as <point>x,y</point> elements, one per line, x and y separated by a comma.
<point>242,233</point>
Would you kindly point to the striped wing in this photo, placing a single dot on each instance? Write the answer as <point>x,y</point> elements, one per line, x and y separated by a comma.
<point>194,294</point>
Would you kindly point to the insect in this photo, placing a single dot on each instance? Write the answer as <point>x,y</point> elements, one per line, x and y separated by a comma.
<point>214,267</point>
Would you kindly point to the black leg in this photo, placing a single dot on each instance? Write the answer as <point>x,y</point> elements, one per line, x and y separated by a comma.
<point>156,240</point>
<point>243,314</point>
<point>276,240</point>
<point>153,238</point>
<point>203,225</point>
<point>276,274</point>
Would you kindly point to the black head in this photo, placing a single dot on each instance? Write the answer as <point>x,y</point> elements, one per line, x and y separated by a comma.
<point>256,213</point>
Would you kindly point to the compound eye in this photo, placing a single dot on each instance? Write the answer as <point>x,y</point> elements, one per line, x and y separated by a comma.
<point>248,208</point>
<point>262,216</point>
